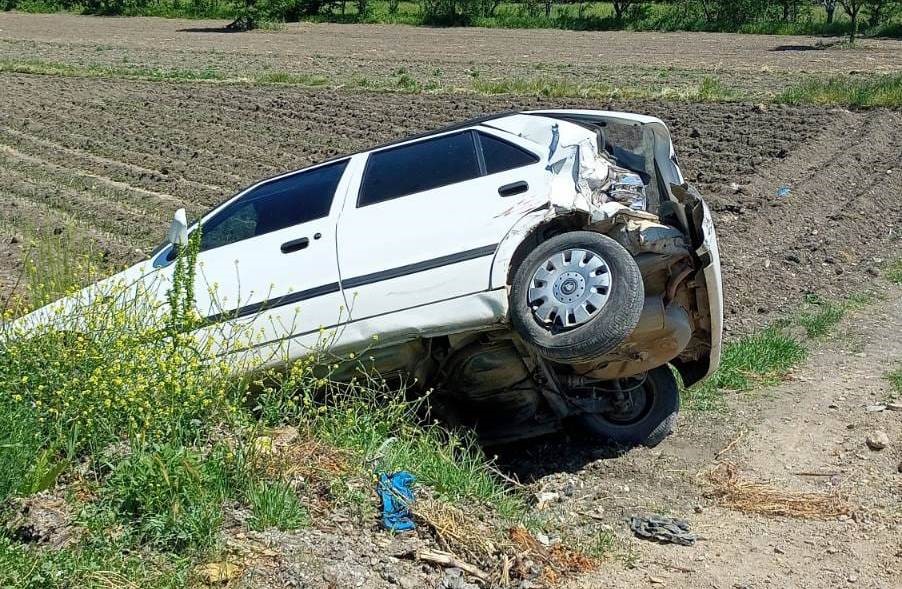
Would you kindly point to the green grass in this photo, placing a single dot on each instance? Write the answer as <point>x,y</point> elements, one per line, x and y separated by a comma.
<point>168,496</point>
<point>764,358</point>
<point>854,91</point>
<point>755,360</point>
<point>895,380</point>
<point>275,505</point>
<point>858,91</point>
<point>893,271</point>
<point>89,565</point>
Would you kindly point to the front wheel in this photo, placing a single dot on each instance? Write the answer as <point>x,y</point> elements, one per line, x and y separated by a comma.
<point>644,412</point>
<point>576,297</point>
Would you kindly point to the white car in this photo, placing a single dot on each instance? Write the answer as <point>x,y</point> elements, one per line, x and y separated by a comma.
<point>529,267</point>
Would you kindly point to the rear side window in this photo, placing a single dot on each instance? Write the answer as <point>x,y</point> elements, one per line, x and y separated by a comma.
<point>420,166</point>
<point>277,204</point>
<point>500,155</point>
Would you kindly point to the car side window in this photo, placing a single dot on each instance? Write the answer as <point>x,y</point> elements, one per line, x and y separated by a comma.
<point>499,155</point>
<point>416,167</point>
<point>274,205</point>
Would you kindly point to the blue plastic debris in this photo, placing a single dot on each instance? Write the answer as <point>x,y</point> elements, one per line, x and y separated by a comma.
<point>783,191</point>
<point>397,495</point>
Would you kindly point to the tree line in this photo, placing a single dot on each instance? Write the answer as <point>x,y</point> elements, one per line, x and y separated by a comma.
<point>715,15</point>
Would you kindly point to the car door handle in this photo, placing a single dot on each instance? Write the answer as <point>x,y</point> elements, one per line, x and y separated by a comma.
<point>295,245</point>
<point>513,188</point>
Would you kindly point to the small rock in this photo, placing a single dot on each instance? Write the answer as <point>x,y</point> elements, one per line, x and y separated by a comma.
<point>875,408</point>
<point>792,258</point>
<point>695,133</point>
<point>735,187</point>
<point>778,550</point>
<point>899,468</point>
<point>832,550</point>
<point>852,579</point>
<point>894,406</point>
<point>656,580</point>
<point>760,107</point>
<point>877,440</point>
<point>409,582</point>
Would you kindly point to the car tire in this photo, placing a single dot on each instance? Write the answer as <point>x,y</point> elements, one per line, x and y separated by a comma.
<point>609,324</point>
<point>653,422</point>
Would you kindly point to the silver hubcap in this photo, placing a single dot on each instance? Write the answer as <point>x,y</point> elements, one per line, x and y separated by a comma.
<point>569,288</point>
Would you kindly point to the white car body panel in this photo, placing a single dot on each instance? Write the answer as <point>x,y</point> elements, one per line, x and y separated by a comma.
<point>422,265</point>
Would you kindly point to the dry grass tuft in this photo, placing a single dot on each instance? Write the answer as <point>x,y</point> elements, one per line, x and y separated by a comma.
<point>558,561</point>
<point>465,535</point>
<point>754,497</point>
<point>504,558</point>
<point>287,453</point>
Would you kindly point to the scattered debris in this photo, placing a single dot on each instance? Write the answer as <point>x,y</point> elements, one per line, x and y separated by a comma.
<point>557,561</point>
<point>448,559</point>
<point>877,440</point>
<point>784,191</point>
<point>397,496</point>
<point>753,497</point>
<point>662,529</point>
<point>544,499</point>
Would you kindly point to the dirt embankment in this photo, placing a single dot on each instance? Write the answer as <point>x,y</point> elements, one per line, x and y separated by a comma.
<point>116,157</point>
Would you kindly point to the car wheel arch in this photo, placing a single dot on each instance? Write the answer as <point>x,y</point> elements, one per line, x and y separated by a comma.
<point>525,236</point>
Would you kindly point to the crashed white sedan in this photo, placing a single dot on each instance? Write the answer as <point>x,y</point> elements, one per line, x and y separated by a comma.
<point>533,269</point>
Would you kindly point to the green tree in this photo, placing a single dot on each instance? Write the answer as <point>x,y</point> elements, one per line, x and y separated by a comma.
<point>830,8</point>
<point>621,7</point>
<point>853,9</point>
<point>881,11</point>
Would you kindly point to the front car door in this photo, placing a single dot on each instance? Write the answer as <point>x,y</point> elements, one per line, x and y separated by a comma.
<point>428,216</point>
<point>267,270</point>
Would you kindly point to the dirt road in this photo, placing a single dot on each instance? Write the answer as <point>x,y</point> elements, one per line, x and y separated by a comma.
<point>814,424</point>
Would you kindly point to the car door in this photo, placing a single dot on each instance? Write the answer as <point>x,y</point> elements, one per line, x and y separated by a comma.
<point>428,215</point>
<point>268,258</point>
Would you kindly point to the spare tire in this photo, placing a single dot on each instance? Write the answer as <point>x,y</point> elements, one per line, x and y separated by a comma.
<point>576,296</point>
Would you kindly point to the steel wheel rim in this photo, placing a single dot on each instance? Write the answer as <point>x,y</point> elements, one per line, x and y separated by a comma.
<point>569,288</point>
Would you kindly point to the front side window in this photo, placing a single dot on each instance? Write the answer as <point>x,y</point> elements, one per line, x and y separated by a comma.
<point>416,167</point>
<point>277,204</point>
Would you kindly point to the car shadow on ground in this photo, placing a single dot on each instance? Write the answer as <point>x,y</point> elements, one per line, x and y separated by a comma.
<point>530,460</point>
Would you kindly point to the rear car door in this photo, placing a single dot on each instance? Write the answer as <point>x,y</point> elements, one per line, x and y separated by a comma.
<point>428,216</point>
<point>268,257</point>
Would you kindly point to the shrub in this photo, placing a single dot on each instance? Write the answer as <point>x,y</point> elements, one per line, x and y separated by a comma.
<point>170,497</point>
<point>275,505</point>
<point>454,12</point>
